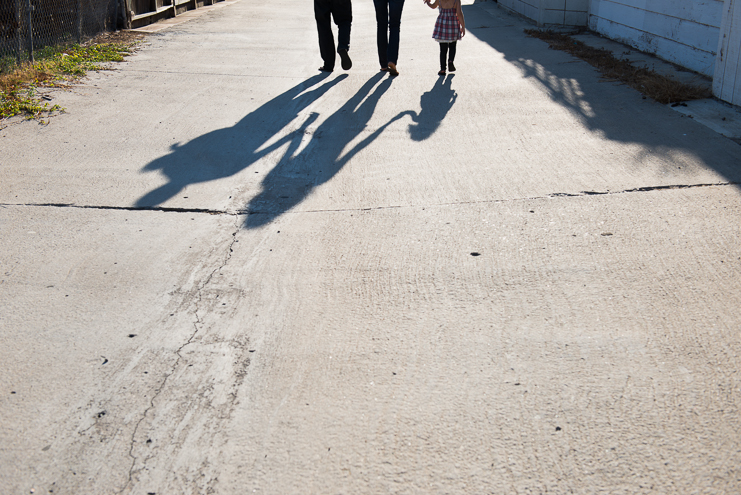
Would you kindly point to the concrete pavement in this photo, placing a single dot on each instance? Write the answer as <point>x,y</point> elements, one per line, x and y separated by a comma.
<point>225,273</point>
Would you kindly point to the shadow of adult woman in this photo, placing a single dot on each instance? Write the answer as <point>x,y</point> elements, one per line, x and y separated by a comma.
<point>299,172</point>
<point>225,152</point>
<point>435,105</point>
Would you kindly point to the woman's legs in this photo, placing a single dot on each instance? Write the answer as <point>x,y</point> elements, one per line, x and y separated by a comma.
<point>388,24</point>
<point>382,27</point>
<point>395,8</point>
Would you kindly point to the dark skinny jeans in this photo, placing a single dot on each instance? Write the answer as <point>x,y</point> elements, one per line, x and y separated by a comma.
<point>388,21</point>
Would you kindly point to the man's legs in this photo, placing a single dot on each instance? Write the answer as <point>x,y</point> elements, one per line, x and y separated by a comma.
<point>342,14</point>
<point>322,14</point>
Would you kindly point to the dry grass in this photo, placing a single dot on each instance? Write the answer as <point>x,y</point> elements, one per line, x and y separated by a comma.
<point>651,84</point>
<point>56,66</point>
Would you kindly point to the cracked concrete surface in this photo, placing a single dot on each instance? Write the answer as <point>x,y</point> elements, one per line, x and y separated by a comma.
<point>258,212</point>
<point>221,275</point>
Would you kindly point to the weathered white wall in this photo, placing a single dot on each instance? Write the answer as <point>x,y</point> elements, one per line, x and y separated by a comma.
<point>551,12</point>
<point>727,80</point>
<point>527,8</point>
<point>681,31</point>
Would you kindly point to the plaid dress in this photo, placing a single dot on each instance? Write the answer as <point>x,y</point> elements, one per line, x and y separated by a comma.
<point>447,27</point>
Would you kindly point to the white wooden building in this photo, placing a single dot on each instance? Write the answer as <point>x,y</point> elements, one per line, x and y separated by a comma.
<point>701,35</point>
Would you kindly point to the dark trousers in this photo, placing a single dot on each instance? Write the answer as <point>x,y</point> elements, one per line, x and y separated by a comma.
<point>341,12</point>
<point>388,22</point>
<point>444,53</point>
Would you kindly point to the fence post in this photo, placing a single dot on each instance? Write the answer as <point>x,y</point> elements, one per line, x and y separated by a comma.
<point>29,8</point>
<point>18,34</point>
<point>127,13</point>
<point>113,14</point>
<point>79,21</point>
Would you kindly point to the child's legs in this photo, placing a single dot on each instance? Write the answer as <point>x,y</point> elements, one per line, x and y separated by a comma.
<point>452,50</point>
<point>443,54</point>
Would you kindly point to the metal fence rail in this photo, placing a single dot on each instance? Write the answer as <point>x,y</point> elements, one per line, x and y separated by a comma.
<point>27,25</point>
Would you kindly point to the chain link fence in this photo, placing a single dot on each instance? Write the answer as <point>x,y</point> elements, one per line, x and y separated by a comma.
<point>28,25</point>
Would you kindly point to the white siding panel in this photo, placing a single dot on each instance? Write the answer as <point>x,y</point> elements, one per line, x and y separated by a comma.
<point>727,81</point>
<point>681,31</point>
<point>700,11</point>
<point>575,18</point>
<point>550,12</point>
<point>553,4</point>
<point>531,12</point>
<point>551,16</point>
<point>577,5</point>
<point>684,55</point>
<point>527,8</point>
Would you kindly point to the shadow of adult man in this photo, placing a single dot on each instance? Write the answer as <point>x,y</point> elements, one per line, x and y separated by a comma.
<point>225,152</point>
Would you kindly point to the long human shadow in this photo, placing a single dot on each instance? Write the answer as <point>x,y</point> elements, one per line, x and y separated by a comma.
<point>603,107</point>
<point>300,171</point>
<point>434,106</point>
<point>225,152</point>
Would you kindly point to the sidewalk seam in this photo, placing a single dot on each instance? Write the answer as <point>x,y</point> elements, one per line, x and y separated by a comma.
<point>210,211</point>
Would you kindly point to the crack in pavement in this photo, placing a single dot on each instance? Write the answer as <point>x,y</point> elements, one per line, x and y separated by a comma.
<point>212,211</point>
<point>168,209</point>
<point>196,328</point>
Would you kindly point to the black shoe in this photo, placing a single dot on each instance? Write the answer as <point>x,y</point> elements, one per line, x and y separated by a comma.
<point>324,68</point>
<point>346,62</point>
<point>451,67</point>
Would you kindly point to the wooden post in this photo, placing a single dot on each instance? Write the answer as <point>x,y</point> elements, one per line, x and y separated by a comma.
<point>79,21</point>
<point>727,80</point>
<point>126,5</point>
<point>18,34</point>
<point>29,8</point>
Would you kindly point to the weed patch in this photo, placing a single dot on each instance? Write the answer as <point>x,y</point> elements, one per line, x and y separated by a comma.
<point>53,67</point>
<point>661,88</point>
